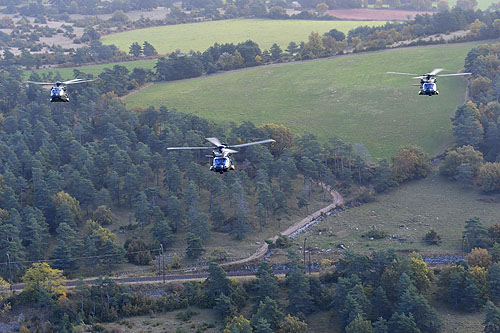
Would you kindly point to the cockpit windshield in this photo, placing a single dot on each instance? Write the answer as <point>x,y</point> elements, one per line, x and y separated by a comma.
<point>429,86</point>
<point>55,91</point>
<point>220,161</point>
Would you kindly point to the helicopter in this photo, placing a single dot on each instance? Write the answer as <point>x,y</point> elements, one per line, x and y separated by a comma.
<point>58,91</point>
<point>428,81</point>
<point>220,154</point>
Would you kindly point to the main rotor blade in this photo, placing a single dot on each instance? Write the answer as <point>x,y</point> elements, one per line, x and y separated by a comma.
<point>182,148</point>
<point>456,74</point>
<point>435,71</point>
<point>401,73</point>
<point>252,143</point>
<point>230,151</point>
<point>74,81</point>
<point>214,141</point>
<point>40,83</point>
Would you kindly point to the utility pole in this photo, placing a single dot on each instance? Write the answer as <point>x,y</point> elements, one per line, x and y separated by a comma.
<point>159,262</point>
<point>162,262</point>
<point>10,272</point>
<point>309,262</point>
<point>304,250</point>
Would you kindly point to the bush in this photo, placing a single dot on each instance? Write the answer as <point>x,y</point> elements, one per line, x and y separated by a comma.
<point>432,238</point>
<point>375,234</point>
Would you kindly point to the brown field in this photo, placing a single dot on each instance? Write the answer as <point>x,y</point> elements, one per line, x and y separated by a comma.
<point>375,14</point>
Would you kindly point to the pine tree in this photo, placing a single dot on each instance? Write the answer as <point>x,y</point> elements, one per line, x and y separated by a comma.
<point>276,51</point>
<point>424,315</point>
<point>162,232</point>
<point>266,283</point>
<point>359,325</point>
<point>494,281</point>
<point>400,323</point>
<point>194,246</point>
<point>381,308</point>
<point>380,326</point>
<point>351,310</point>
<point>263,327</point>
<point>148,49</point>
<point>135,49</point>
<point>472,296</point>
<point>142,210</point>
<point>33,233</point>
<point>492,320</point>
<point>404,284</point>
<point>475,234</point>
<point>299,298</point>
<point>68,247</point>
<point>268,310</point>
<point>174,211</point>
<point>217,282</point>
<point>224,307</point>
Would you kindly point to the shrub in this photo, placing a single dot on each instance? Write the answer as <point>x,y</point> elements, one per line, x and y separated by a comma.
<point>432,238</point>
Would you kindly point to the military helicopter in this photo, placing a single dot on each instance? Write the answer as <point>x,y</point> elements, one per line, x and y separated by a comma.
<point>221,162</point>
<point>58,91</point>
<point>428,81</point>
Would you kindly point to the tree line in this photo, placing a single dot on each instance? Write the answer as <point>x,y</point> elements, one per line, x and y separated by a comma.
<point>475,124</point>
<point>381,292</point>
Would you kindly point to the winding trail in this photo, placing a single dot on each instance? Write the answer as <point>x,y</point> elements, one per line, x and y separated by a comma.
<point>337,200</point>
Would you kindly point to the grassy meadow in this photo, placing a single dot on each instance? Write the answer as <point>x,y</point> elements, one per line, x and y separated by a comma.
<point>408,212</point>
<point>200,36</point>
<point>67,73</point>
<point>351,97</point>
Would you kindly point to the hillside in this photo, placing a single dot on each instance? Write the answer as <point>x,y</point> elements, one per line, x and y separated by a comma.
<point>348,96</point>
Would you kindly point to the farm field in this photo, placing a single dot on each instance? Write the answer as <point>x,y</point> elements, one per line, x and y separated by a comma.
<point>200,36</point>
<point>375,14</point>
<point>351,97</point>
<point>67,73</point>
<point>408,212</point>
<point>481,4</point>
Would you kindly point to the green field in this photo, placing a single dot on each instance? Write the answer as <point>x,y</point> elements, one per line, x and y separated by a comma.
<point>481,4</point>
<point>67,73</point>
<point>200,36</point>
<point>350,97</point>
<point>409,212</point>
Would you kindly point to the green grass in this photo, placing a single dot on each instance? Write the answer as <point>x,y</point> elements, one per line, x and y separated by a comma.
<point>168,322</point>
<point>481,4</point>
<point>351,97</point>
<point>409,212</point>
<point>67,73</point>
<point>200,36</point>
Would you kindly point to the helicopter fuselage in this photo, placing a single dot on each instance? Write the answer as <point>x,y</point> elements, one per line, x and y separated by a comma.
<point>428,87</point>
<point>222,163</point>
<point>58,94</point>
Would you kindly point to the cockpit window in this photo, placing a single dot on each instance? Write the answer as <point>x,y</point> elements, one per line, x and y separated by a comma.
<point>220,161</point>
<point>55,91</point>
<point>429,86</point>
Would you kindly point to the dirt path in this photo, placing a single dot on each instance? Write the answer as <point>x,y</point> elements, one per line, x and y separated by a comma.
<point>337,200</point>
